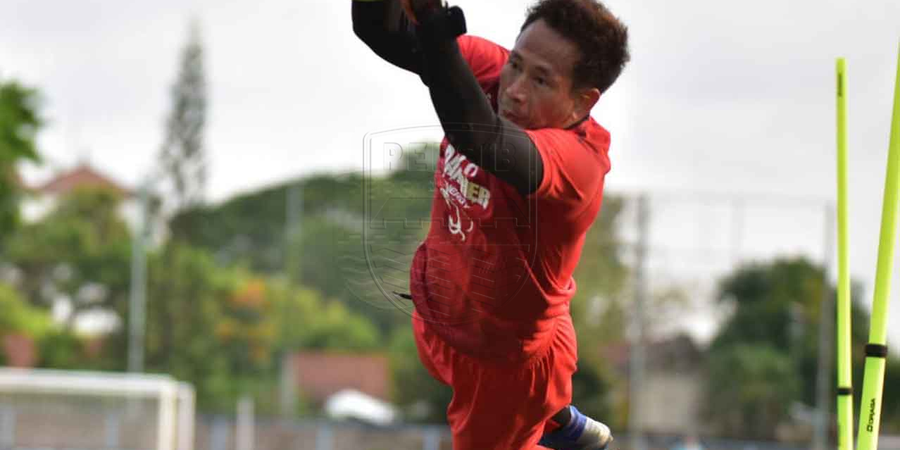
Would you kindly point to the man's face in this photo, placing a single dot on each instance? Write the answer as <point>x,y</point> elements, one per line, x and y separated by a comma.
<point>536,82</point>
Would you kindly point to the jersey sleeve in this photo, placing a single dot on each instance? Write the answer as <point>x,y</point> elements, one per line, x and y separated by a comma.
<point>573,169</point>
<point>485,58</point>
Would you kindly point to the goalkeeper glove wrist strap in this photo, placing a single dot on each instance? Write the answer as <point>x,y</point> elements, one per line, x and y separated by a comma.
<point>442,26</point>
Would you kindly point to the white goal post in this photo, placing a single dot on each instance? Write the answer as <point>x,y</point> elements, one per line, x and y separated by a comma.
<point>52,409</point>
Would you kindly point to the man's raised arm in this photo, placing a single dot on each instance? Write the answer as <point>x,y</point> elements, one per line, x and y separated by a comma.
<point>469,121</point>
<point>383,26</point>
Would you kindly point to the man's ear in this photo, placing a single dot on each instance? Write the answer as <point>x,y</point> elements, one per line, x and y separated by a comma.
<point>585,101</point>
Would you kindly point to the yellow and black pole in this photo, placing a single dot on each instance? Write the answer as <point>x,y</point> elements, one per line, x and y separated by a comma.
<point>876,350</point>
<point>844,377</point>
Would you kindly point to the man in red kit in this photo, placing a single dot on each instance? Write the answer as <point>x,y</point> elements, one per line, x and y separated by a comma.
<point>518,183</point>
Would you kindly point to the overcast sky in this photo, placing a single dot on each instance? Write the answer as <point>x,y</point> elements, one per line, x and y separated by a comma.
<point>720,98</point>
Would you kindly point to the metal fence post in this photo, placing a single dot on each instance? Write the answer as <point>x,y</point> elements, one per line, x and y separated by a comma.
<point>324,437</point>
<point>218,434</point>
<point>112,424</point>
<point>7,427</point>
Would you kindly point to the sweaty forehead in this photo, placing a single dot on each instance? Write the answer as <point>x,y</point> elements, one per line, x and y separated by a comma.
<point>541,46</point>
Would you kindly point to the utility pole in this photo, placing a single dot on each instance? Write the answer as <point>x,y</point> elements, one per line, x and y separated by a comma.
<point>137,300</point>
<point>636,382</point>
<point>245,424</point>
<point>826,340</point>
<point>293,214</point>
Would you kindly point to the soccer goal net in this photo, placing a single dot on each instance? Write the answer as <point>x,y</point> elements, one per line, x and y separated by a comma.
<point>59,410</point>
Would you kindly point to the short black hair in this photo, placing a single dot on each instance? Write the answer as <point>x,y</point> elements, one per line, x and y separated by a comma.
<point>600,37</point>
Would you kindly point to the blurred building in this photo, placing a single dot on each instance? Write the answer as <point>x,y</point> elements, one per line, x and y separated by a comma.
<point>316,376</point>
<point>41,198</point>
<point>18,350</point>
<point>889,442</point>
<point>673,381</point>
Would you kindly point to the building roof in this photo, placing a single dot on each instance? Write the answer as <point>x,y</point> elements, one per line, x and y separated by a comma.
<point>80,177</point>
<point>320,375</point>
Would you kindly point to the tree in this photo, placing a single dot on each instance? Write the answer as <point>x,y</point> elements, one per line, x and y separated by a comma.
<point>890,407</point>
<point>20,320</point>
<point>57,348</point>
<point>753,387</point>
<point>305,320</point>
<point>183,155</point>
<point>225,328</point>
<point>19,125</point>
<point>775,320</point>
<point>81,250</point>
<point>186,326</point>
<point>764,357</point>
<point>321,246</point>
<point>20,317</point>
<point>251,228</point>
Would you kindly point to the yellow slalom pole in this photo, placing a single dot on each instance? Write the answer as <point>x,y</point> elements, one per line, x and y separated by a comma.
<point>876,350</point>
<point>844,377</point>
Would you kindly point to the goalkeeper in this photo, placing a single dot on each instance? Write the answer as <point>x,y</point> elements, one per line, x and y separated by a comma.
<point>519,181</point>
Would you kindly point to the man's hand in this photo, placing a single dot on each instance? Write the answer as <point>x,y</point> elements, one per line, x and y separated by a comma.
<point>420,9</point>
